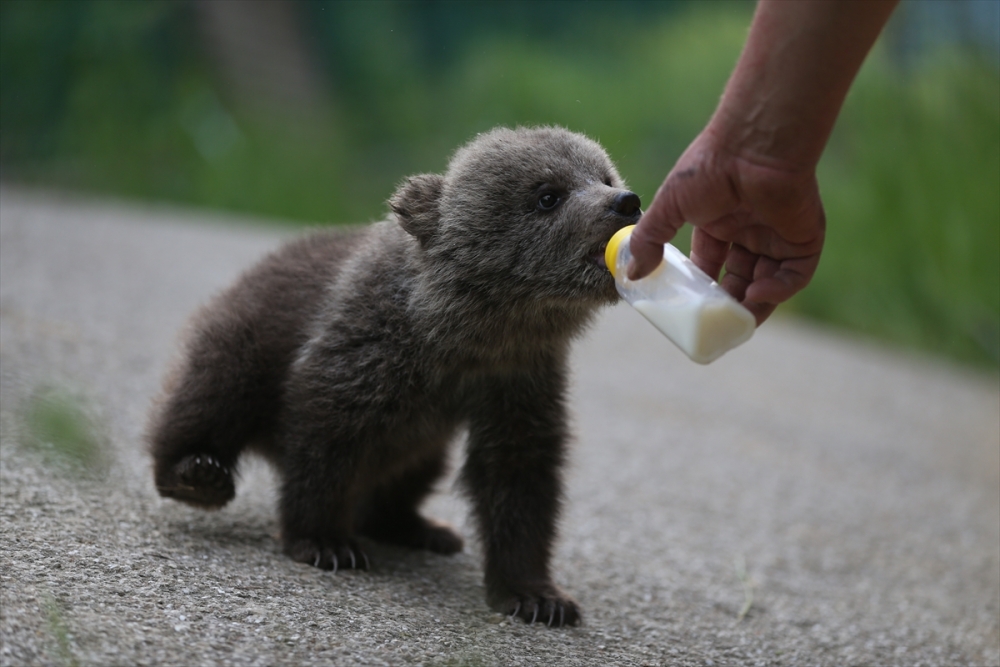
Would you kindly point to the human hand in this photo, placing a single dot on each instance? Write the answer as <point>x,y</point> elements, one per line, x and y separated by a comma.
<point>763,223</point>
<point>748,182</point>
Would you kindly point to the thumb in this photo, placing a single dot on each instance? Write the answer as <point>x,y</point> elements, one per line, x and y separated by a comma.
<point>658,225</point>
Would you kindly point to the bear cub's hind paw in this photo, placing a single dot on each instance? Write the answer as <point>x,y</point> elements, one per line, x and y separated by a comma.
<point>440,538</point>
<point>329,554</point>
<point>199,480</point>
<point>416,532</point>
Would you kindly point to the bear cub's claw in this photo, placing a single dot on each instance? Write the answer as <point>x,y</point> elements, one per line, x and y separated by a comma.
<point>550,607</point>
<point>199,480</point>
<point>329,554</point>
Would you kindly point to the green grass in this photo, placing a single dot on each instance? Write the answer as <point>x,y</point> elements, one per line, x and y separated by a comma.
<point>59,630</point>
<point>59,426</point>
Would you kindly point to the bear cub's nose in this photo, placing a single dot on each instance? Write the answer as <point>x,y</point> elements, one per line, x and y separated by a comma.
<point>626,203</point>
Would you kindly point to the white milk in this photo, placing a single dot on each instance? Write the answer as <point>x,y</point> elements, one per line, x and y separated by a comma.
<point>683,302</point>
<point>705,329</point>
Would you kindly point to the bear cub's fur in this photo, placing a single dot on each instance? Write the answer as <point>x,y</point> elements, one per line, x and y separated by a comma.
<point>350,360</point>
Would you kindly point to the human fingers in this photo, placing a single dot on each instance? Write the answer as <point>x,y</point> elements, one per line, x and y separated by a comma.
<point>740,269</point>
<point>708,252</point>
<point>760,311</point>
<point>763,269</point>
<point>761,283</point>
<point>745,269</point>
<point>790,277</point>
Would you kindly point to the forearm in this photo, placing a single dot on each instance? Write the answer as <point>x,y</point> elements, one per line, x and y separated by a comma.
<point>795,70</point>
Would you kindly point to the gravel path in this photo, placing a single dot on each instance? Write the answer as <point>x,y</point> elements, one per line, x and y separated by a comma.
<point>807,500</point>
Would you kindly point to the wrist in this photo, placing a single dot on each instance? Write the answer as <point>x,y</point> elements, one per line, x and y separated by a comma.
<point>749,138</point>
<point>784,95</point>
<point>769,113</point>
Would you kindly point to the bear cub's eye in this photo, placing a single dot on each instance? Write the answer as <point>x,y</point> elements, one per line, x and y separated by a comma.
<point>548,201</point>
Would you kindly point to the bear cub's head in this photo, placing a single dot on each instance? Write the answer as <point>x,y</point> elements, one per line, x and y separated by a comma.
<point>521,214</point>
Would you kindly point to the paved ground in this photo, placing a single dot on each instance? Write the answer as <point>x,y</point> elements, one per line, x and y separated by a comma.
<point>849,493</point>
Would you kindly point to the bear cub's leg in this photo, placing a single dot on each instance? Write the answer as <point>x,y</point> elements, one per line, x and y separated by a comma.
<point>327,499</point>
<point>197,437</point>
<point>512,475</point>
<point>318,494</point>
<point>219,401</point>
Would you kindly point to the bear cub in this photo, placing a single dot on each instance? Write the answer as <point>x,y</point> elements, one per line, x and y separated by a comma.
<point>349,360</point>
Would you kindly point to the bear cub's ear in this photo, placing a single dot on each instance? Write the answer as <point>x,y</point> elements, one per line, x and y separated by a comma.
<point>416,205</point>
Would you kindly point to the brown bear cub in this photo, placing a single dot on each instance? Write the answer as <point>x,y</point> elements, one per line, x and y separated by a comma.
<point>350,360</point>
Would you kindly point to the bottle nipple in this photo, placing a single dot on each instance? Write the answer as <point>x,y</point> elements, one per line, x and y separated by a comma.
<point>611,251</point>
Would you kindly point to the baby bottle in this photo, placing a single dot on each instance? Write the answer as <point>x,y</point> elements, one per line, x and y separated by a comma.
<point>690,308</point>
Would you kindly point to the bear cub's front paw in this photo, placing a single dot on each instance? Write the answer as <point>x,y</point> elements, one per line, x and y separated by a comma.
<point>545,604</point>
<point>329,554</point>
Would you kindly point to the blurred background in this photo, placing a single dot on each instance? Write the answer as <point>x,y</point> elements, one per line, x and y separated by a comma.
<point>311,111</point>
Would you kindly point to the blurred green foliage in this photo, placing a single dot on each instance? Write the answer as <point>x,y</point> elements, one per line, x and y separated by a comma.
<point>911,185</point>
<point>123,98</point>
<point>58,425</point>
